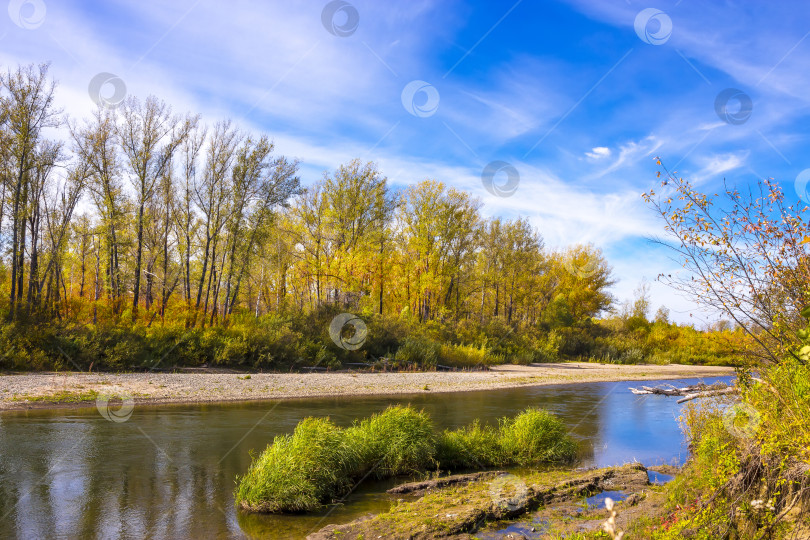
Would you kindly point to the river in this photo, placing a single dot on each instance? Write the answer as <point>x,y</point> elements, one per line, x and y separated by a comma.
<point>169,471</point>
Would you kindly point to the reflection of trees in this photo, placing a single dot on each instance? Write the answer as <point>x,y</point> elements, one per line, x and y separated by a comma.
<point>41,486</point>
<point>109,479</point>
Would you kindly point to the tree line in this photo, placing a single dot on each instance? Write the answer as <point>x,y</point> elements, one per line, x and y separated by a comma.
<point>138,214</point>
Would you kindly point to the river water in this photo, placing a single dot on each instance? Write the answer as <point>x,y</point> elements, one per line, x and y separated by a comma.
<point>169,471</point>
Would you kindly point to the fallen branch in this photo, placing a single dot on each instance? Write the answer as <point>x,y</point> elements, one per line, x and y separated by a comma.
<point>415,487</point>
<point>669,390</point>
<point>690,397</point>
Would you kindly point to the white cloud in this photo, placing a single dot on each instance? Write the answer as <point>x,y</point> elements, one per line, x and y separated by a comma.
<point>599,152</point>
<point>715,165</point>
<point>327,100</point>
<point>632,152</point>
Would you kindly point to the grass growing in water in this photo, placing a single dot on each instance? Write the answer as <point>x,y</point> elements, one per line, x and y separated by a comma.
<point>319,462</point>
<point>297,472</point>
<point>396,442</point>
<point>534,436</point>
<point>470,447</point>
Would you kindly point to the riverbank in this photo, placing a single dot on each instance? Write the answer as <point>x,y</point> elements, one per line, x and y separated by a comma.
<point>19,391</point>
<point>500,505</point>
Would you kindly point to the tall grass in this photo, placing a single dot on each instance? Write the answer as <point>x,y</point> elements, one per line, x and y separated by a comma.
<point>532,437</point>
<point>457,355</point>
<point>535,436</point>
<point>320,462</point>
<point>298,472</point>
<point>396,442</point>
<point>470,447</point>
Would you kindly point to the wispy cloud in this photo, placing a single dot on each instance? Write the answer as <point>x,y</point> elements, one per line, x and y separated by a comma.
<point>715,166</point>
<point>274,68</point>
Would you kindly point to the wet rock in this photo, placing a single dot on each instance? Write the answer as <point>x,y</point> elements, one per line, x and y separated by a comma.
<point>633,499</point>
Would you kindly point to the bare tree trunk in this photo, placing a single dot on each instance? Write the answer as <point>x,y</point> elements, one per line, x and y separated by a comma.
<point>138,253</point>
<point>259,296</point>
<point>15,244</point>
<point>205,265</point>
<point>97,292</point>
<point>21,258</point>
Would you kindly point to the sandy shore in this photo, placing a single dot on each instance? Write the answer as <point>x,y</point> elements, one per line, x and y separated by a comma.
<point>52,390</point>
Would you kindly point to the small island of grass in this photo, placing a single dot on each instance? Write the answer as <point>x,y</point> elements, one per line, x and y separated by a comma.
<point>320,461</point>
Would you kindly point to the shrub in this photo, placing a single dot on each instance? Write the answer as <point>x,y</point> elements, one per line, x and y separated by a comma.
<point>326,358</point>
<point>418,352</point>
<point>465,355</point>
<point>385,334</point>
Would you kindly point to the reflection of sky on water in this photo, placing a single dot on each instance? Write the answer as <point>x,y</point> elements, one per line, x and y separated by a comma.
<point>643,428</point>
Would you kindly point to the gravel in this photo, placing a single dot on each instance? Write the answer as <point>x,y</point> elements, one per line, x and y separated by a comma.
<point>20,391</point>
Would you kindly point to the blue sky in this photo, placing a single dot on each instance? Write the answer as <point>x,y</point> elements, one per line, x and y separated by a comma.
<point>578,96</point>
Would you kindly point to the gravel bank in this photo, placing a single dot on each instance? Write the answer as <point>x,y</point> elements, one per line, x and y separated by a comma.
<point>33,390</point>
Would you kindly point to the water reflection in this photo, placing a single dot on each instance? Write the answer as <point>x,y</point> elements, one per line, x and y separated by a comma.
<point>169,472</point>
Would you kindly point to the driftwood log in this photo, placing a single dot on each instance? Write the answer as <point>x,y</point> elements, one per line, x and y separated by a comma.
<point>696,395</point>
<point>688,393</point>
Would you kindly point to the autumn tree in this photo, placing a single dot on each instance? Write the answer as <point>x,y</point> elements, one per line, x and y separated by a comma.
<point>211,197</point>
<point>95,146</point>
<point>358,210</point>
<point>149,135</point>
<point>436,225</point>
<point>185,218</point>
<point>28,104</point>
<point>744,253</point>
<point>264,183</point>
<point>584,279</point>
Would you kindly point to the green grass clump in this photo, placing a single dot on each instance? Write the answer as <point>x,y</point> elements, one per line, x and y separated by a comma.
<point>536,436</point>
<point>320,462</point>
<point>398,441</point>
<point>298,472</point>
<point>470,447</point>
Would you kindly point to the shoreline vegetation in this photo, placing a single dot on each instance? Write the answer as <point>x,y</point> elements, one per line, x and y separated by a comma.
<point>73,390</point>
<point>552,501</point>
